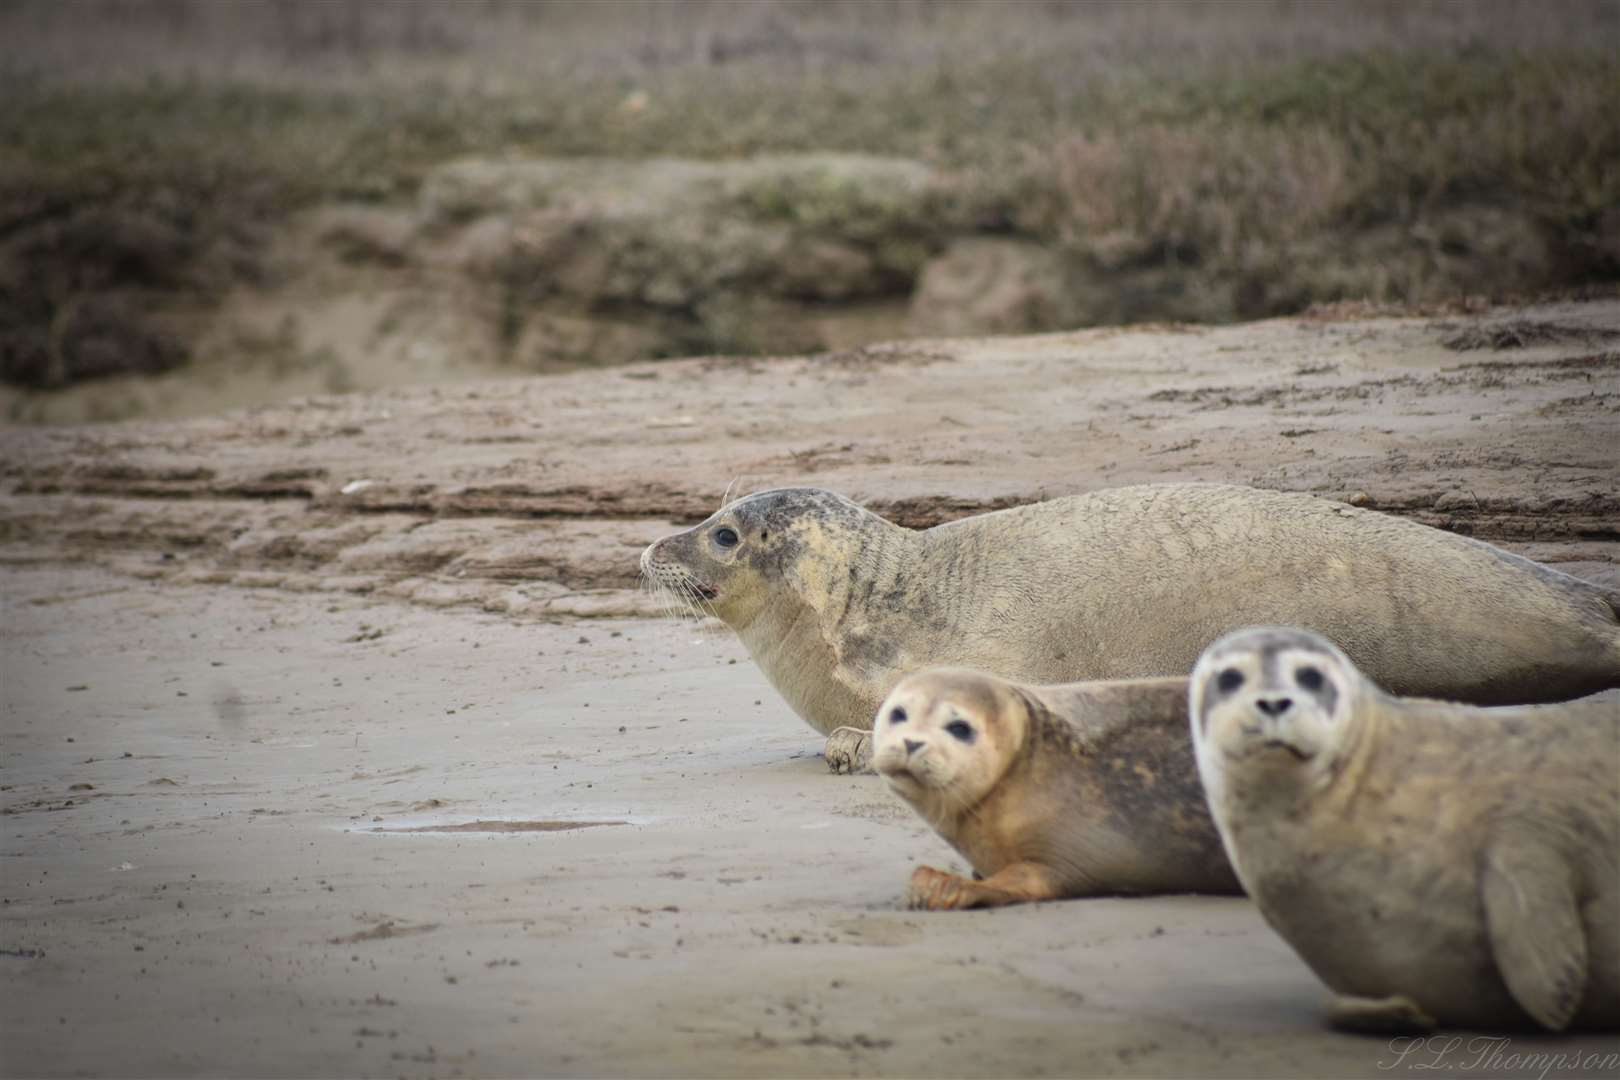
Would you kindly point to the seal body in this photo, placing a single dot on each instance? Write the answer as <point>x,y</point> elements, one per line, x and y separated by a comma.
<point>836,604</point>
<point>1433,863</point>
<point>1053,791</point>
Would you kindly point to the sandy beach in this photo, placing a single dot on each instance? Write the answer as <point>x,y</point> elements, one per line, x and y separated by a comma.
<point>337,740</point>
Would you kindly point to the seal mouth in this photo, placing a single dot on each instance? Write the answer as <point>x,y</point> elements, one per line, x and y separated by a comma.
<point>1263,749</point>
<point>1278,744</point>
<point>902,778</point>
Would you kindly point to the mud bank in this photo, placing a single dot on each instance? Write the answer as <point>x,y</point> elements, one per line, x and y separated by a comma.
<point>533,496</point>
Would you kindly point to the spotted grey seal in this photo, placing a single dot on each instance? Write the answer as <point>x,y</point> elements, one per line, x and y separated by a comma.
<point>1433,863</point>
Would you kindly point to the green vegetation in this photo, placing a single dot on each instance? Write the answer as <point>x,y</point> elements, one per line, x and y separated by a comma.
<point>1222,166</point>
<point>1416,127</point>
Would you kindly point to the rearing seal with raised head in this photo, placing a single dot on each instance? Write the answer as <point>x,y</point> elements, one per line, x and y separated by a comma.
<point>1433,863</point>
<point>836,604</point>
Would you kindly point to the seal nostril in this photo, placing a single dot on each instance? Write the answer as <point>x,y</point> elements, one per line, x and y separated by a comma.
<point>912,746</point>
<point>1273,706</point>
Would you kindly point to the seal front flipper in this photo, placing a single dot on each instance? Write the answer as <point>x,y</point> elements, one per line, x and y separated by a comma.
<point>849,749</point>
<point>1019,883</point>
<point>1534,927</point>
<point>860,671</point>
<point>1387,1014</point>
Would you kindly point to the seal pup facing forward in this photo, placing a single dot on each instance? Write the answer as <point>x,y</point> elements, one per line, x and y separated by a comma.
<point>1433,864</point>
<point>1050,791</point>
<point>836,604</point>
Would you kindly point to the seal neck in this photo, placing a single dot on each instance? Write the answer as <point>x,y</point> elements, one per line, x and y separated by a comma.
<point>1354,771</point>
<point>839,579</point>
<point>1038,722</point>
<point>813,636</point>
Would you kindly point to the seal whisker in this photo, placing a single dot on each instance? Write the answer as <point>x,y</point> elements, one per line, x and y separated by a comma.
<point>683,593</point>
<point>672,602</point>
<point>662,599</point>
<point>674,605</point>
<point>698,607</point>
<point>699,601</point>
<point>655,591</point>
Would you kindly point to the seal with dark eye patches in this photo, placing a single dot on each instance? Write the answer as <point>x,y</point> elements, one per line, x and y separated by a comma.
<point>836,604</point>
<point>1050,791</point>
<point>1433,863</point>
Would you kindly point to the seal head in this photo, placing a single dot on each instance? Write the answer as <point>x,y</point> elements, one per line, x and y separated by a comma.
<point>732,564</point>
<point>1273,699</point>
<point>807,579</point>
<point>944,738</point>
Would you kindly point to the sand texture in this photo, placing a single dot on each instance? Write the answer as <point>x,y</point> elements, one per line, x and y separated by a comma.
<point>338,739</point>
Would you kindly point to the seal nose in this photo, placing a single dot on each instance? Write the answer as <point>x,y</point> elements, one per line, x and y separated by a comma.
<point>912,746</point>
<point>1273,707</point>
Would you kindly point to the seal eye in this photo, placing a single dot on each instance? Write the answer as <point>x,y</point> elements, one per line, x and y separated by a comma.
<point>726,537</point>
<point>1229,680</point>
<point>897,715</point>
<point>1310,678</point>
<point>960,729</point>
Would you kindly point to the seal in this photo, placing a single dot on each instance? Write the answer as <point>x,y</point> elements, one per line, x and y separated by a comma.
<point>1433,863</point>
<point>1050,791</point>
<point>836,604</point>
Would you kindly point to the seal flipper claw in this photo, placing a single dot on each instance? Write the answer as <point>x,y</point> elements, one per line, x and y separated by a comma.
<point>1019,883</point>
<point>849,749</point>
<point>936,890</point>
<point>1534,926</point>
<point>1394,1014</point>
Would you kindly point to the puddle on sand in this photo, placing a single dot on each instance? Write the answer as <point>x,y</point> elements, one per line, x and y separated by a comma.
<point>496,826</point>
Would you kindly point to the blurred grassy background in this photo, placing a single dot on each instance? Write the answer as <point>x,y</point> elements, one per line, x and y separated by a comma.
<point>1217,161</point>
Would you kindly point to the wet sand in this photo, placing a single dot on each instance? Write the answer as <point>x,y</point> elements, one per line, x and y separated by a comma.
<point>240,891</point>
